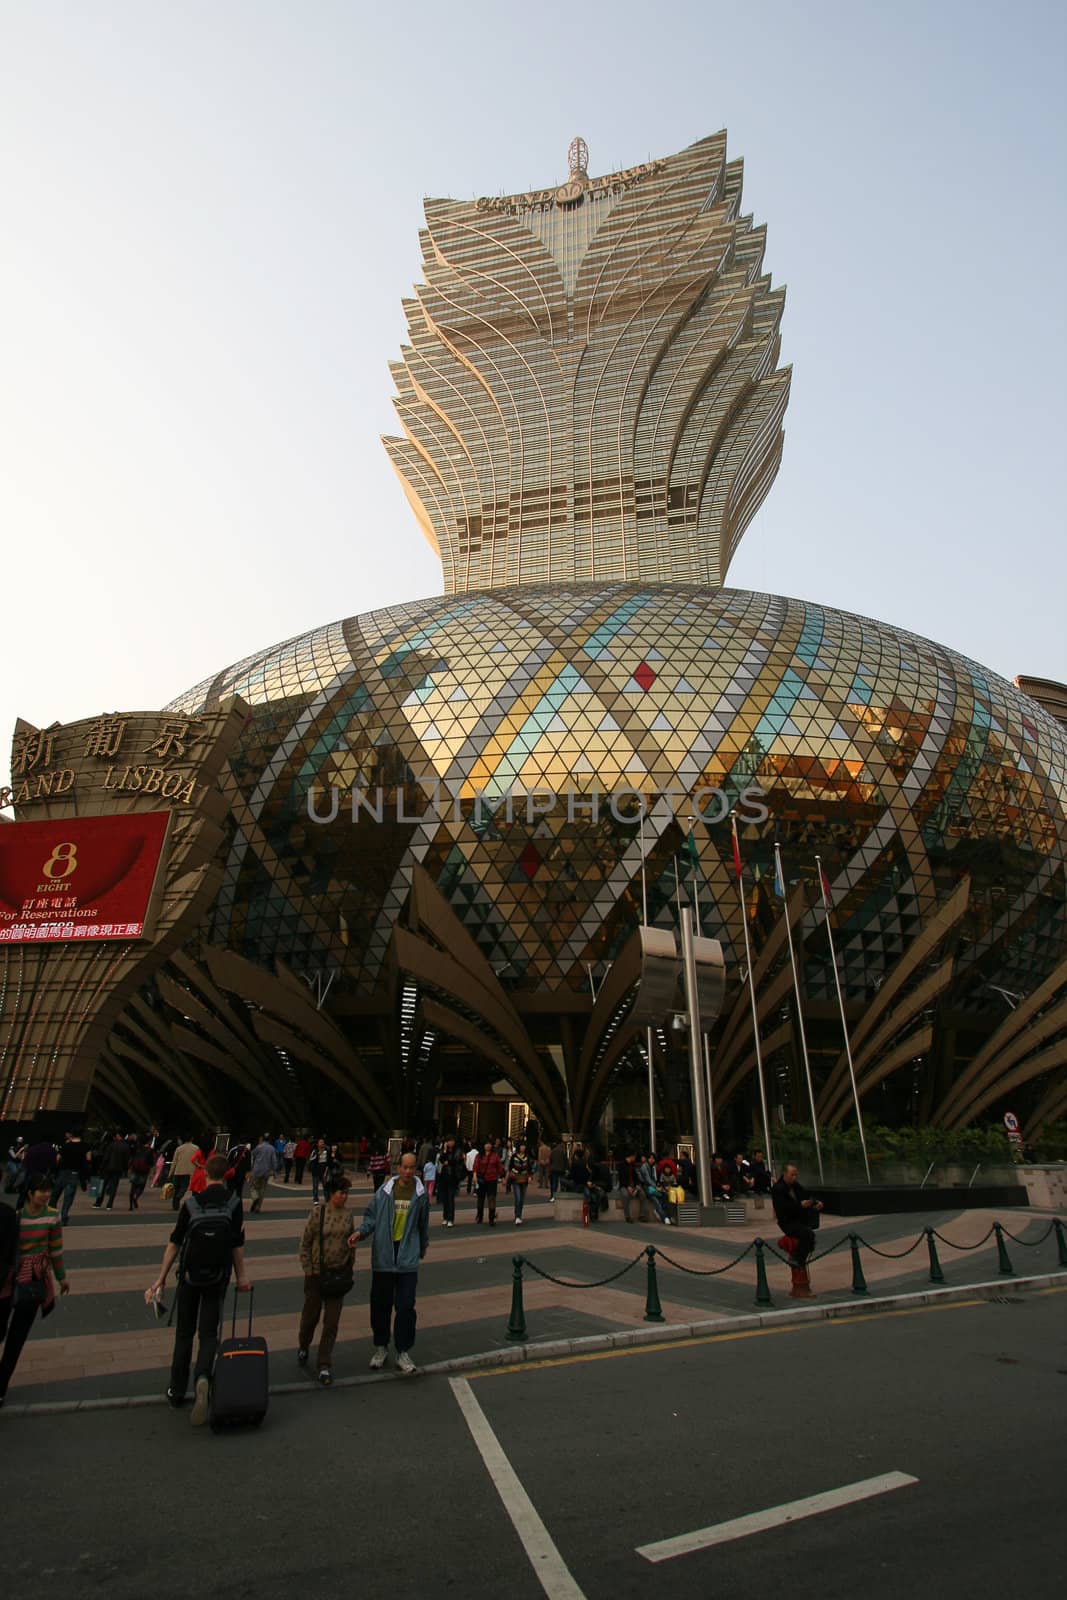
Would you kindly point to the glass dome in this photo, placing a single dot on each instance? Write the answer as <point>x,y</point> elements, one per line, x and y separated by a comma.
<point>903,764</point>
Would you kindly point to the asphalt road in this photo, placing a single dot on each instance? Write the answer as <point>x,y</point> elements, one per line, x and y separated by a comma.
<point>383,1490</point>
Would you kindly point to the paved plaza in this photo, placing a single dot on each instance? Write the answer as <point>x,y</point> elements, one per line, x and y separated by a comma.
<point>102,1343</point>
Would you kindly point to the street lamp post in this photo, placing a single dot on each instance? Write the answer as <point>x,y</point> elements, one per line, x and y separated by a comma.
<point>696,1065</point>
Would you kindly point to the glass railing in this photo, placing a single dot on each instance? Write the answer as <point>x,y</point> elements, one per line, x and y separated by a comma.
<point>846,1171</point>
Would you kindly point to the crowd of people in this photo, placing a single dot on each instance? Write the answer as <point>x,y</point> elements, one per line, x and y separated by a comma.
<point>206,1187</point>
<point>177,1165</point>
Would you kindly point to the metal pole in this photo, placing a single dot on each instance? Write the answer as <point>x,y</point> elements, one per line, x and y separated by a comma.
<point>752,996</point>
<point>651,1099</point>
<point>648,1037</point>
<point>692,1006</point>
<point>800,1012</point>
<point>712,1141</point>
<point>844,1024</point>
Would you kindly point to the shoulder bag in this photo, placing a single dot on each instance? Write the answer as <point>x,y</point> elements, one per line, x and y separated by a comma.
<point>333,1281</point>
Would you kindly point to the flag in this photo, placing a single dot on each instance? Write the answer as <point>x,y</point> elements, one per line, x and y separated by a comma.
<point>737,853</point>
<point>824,880</point>
<point>692,852</point>
<point>779,881</point>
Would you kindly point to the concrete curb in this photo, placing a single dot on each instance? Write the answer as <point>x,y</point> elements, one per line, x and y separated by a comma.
<point>590,1344</point>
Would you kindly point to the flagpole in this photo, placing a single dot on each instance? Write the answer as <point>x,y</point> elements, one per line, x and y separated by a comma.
<point>700,934</point>
<point>752,995</point>
<point>800,1008</point>
<point>707,1084</point>
<point>841,1006</point>
<point>648,1035</point>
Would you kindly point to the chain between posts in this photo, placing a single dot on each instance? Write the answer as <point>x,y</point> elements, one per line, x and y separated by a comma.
<point>706,1272</point>
<point>819,1255</point>
<point>897,1255</point>
<point>830,1248</point>
<point>601,1283</point>
<point>654,1312</point>
<point>954,1246</point>
<point>1028,1244</point>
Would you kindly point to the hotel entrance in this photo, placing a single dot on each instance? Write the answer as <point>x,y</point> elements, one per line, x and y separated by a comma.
<point>477,1120</point>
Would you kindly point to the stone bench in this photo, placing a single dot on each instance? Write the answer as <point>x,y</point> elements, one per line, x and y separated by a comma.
<point>568,1208</point>
<point>644,1211</point>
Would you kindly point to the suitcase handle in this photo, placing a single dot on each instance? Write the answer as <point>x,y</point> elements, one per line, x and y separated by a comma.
<point>236,1297</point>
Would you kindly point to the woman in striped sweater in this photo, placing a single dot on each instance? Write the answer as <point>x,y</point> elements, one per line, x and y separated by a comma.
<point>28,1279</point>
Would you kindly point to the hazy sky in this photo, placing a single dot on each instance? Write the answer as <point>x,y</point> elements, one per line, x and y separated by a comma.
<point>210,215</point>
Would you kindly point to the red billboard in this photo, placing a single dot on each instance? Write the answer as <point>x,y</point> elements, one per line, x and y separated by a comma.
<point>82,878</point>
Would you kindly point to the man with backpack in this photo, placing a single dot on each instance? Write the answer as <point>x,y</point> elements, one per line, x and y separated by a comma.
<point>207,1242</point>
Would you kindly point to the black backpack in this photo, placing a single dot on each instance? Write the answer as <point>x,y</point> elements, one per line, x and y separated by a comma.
<point>207,1250</point>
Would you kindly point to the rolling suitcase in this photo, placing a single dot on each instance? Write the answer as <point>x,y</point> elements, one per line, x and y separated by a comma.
<point>239,1387</point>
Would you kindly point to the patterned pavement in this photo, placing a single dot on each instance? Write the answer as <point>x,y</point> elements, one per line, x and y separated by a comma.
<point>101,1343</point>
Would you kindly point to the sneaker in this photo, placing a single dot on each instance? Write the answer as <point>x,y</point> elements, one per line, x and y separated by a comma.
<point>301,1358</point>
<point>667,1222</point>
<point>324,1377</point>
<point>551,1199</point>
<point>198,1415</point>
<point>175,1400</point>
<point>518,1222</point>
<point>378,1359</point>
<point>405,1364</point>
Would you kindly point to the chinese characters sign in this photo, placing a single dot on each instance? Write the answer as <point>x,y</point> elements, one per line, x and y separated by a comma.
<point>148,753</point>
<point>82,878</point>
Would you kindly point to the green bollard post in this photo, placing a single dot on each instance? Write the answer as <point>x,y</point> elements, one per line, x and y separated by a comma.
<point>936,1275</point>
<point>517,1321</point>
<point>859,1282</point>
<point>763,1293</point>
<point>1061,1241</point>
<point>653,1309</point>
<point>1003,1259</point>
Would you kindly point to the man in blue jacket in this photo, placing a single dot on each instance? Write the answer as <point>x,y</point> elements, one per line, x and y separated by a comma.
<point>398,1219</point>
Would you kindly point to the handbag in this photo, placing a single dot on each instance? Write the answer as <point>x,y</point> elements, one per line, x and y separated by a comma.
<point>334,1282</point>
<point>33,1292</point>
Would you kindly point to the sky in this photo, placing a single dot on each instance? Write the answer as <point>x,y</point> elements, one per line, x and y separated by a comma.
<point>210,216</point>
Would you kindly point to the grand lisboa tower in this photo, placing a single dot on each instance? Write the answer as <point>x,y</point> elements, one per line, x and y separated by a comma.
<point>445,820</point>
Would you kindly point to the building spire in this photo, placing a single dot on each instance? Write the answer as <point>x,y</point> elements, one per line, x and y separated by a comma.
<point>578,157</point>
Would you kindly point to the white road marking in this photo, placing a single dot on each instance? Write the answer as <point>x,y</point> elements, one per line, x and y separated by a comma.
<point>552,1571</point>
<point>775,1517</point>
